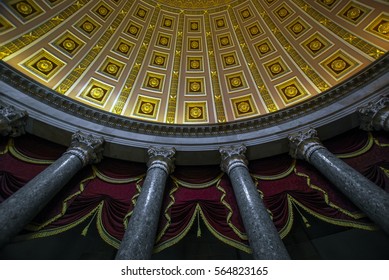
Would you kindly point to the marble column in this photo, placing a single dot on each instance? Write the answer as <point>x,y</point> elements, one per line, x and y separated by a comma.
<point>21,207</point>
<point>375,115</point>
<point>263,236</point>
<point>366,195</point>
<point>139,239</point>
<point>12,121</point>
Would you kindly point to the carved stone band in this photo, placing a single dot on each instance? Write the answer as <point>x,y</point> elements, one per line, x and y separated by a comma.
<point>232,156</point>
<point>88,148</point>
<point>12,121</point>
<point>303,144</point>
<point>375,115</point>
<point>162,158</point>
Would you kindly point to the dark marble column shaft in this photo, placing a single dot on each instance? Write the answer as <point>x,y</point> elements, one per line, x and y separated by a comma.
<point>139,239</point>
<point>366,195</point>
<point>21,207</point>
<point>375,115</point>
<point>12,121</point>
<point>263,236</point>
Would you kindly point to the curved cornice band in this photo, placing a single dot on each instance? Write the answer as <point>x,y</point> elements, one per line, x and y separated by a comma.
<point>56,117</point>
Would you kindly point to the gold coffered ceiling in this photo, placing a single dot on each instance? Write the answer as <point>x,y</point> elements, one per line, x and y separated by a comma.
<point>192,62</point>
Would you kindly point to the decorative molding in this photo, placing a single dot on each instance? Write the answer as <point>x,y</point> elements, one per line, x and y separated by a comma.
<point>162,158</point>
<point>12,120</point>
<point>232,156</point>
<point>303,144</point>
<point>375,115</point>
<point>65,104</point>
<point>88,148</point>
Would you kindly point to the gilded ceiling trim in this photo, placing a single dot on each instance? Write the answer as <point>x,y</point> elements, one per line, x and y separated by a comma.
<point>40,31</point>
<point>195,4</point>
<point>345,35</point>
<point>77,72</point>
<point>173,93</point>
<point>263,91</point>
<point>24,84</point>
<point>304,66</point>
<point>217,96</point>
<point>126,91</point>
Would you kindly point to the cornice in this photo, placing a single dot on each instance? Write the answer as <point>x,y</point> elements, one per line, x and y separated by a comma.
<point>263,136</point>
<point>52,98</point>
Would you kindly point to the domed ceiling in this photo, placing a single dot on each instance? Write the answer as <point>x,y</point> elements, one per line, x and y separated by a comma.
<point>192,62</point>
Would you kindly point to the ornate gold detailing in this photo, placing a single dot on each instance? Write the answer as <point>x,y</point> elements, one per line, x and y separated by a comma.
<point>291,91</point>
<point>359,43</point>
<point>263,92</point>
<point>172,101</point>
<point>243,106</point>
<point>236,81</point>
<point>354,12</point>
<point>96,92</point>
<point>283,12</point>
<point>23,41</point>
<point>159,59</point>
<point>133,29</point>
<point>195,86</point>
<point>196,112</point>
<point>246,14</point>
<point>298,27</point>
<point>44,64</point>
<point>316,44</point>
<point>194,4</point>
<point>88,26</point>
<point>123,47</point>
<point>164,40</point>
<point>26,9</point>
<point>230,60</point>
<point>112,68</point>
<point>276,68</point>
<point>380,26</point>
<point>339,64</point>
<point>329,4</point>
<point>141,12</point>
<point>5,25</point>
<point>264,48</point>
<point>254,30</point>
<point>194,44</point>
<point>102,10</point>
<point>154,81</point>
<point>147,107</point>
<point>215,82</point>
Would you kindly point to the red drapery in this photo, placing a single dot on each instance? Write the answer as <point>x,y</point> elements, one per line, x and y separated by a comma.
<point>105,193</point>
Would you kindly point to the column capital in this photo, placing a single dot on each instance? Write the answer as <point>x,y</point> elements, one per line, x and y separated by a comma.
<point>161,157</point>
<point>303,143</point>
<point>88,148</point>
<point>232,156</point>
<point>12,121</point>
<point>375,115</point>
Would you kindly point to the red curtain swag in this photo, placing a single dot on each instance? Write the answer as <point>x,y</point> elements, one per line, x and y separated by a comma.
<point>105,194</point>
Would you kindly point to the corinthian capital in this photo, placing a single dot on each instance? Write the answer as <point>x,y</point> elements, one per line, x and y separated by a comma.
<point>88,148</point>
<point>232,156</point>
<point>375,115</point>
<point>161,158</point>
<point>304,143</point>
<point>12,121</point>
